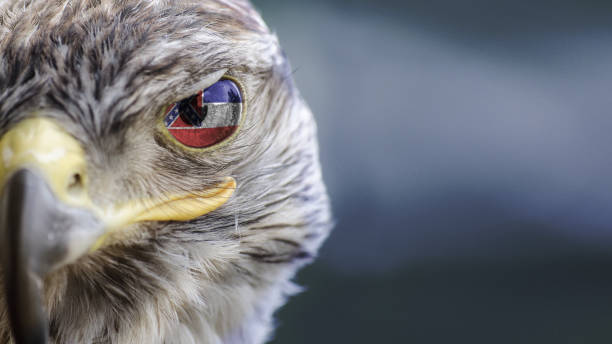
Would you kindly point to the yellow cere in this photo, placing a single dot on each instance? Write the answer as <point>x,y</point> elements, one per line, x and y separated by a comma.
<point>41,145</point>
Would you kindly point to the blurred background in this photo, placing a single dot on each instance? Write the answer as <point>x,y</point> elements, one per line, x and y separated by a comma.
<point>467,149</point>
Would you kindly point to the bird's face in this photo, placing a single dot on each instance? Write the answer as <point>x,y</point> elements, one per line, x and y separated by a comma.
<point>158,169</point>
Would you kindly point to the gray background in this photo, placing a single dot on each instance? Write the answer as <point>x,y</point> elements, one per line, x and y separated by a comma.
<point>466,146</point>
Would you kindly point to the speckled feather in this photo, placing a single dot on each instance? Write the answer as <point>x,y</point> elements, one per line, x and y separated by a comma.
<point>105,70</point>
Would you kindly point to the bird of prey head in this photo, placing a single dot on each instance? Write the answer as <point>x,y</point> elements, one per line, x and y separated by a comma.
<point>159,173</point>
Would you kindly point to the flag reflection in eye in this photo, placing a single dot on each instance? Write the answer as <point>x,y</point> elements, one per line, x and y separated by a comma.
<point>208,117</point>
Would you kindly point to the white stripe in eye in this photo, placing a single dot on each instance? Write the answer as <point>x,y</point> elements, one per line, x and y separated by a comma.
<point>219,115</point>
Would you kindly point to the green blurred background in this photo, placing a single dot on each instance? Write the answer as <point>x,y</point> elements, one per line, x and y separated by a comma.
<point>466,146</point>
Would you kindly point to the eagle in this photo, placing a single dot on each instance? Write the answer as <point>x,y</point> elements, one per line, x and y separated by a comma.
<point>159,173</point>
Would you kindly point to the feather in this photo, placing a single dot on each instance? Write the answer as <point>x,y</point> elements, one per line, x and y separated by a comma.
<point>104,69</point>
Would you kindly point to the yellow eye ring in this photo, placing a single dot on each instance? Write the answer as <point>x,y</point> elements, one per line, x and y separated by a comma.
<point>207,120</point>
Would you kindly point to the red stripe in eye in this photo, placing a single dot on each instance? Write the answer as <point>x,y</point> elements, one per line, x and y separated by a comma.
<point>180,123</point>
<point>202,137</point>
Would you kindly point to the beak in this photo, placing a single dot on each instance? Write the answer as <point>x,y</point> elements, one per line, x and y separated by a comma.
<point>48,220</point>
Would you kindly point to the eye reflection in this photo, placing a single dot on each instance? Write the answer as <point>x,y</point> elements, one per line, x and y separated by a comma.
<point>208,117</point>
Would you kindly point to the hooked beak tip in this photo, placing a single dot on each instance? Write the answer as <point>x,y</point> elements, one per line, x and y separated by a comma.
<point>38,234</point>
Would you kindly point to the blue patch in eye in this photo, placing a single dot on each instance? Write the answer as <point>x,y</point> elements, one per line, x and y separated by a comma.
<point>223,91</point>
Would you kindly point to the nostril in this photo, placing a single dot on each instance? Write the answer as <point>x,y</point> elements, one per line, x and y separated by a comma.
<point>75,184</point>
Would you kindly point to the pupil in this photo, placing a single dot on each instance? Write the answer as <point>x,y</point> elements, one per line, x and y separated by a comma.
<point>191,115</point>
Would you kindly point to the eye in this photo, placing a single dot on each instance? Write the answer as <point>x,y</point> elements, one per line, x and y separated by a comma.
<point>208,117</point>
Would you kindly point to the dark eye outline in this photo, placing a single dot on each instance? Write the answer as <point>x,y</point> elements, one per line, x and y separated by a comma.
<point>169,137</point>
